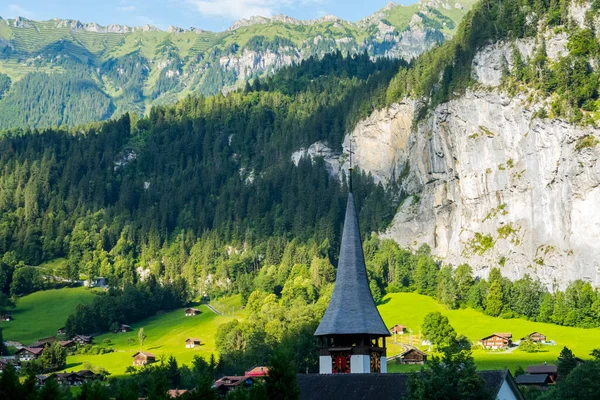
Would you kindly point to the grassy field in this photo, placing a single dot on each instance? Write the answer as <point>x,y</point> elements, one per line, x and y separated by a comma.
<point>409,309</point>
<point>166,335</point>
<point>41,314</point>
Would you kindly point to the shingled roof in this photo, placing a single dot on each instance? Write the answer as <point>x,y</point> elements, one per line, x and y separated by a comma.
<point>384,386</point>
<point>351,309</point>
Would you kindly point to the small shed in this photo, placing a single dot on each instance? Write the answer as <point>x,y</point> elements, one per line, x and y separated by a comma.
<point>190,312</point>
<point>496,341</point>
<point>125,328</point>
<point>143,358</point>
<point>535,337</point>
<point>413,356</point>
<point>191,343</point>
<point>398,329</point>
<point>6,317</point>
<point>61,331</point>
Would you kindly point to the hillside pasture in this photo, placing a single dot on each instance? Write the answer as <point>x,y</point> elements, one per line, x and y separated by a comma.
<point>166,334</point>
<point>409,309</point>
<point>41,314</point>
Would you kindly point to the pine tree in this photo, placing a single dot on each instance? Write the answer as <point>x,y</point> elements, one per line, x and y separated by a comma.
<point>494,300</point>
<point>281,383</point>
<point>566,363</point>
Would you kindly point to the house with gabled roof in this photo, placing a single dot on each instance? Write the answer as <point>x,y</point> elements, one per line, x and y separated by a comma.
<point>412,355</point>
<point>27,353</point>
<point>190,343</point>
<point>190,312</point>
<point>535,337</point>
<point>496,341</point>
<point>143,358</point>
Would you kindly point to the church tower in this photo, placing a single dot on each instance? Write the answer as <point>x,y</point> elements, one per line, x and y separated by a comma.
<point>352,333</point>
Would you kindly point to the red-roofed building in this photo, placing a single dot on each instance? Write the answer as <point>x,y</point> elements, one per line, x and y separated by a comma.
<point>258,371</point>
<point>227,383</point>
<point>175,393</point>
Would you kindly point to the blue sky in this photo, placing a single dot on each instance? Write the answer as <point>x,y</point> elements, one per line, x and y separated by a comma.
<point>215,15</point>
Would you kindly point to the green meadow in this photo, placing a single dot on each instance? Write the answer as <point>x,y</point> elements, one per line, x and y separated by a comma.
<point>166,334</point>
<point>41,314</point>
<point>409,309</point>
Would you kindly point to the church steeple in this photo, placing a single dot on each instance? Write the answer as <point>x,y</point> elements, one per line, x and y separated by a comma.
<point>352,331</point>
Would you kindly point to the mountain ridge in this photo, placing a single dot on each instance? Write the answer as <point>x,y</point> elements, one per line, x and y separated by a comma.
<point>132,69</point>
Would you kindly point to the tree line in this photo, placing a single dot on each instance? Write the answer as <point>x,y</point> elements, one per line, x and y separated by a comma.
<point>402,270</point>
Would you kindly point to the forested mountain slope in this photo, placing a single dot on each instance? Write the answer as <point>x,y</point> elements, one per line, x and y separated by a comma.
<point>495,136</point>
<point>110,196</point>
<point>64,72</point>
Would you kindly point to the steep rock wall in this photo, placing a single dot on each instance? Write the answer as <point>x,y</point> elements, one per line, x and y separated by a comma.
<point>492,187</point>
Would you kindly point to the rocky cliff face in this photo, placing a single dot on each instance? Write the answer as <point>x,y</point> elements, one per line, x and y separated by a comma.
<point>493,187</point>
<point>491,184</point>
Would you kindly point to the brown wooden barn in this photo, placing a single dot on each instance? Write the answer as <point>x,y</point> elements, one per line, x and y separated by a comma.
<point>190,312</point>
<point>497,341</point>
<point>190,343</point>
<point>143,358</point>
<point>413,356</point>
<point>398,329</point>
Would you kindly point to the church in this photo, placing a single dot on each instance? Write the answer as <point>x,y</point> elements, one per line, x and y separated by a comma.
<point>352,337</point>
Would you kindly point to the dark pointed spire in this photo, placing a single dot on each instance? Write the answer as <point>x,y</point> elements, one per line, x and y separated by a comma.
<point>351,309</point>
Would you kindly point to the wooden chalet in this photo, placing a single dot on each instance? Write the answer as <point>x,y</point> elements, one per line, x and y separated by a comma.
<point>190,343</point>
<point>83,339</point>
<point>398,329</point>
<point>497,341</point>
<point>143,358</point>
<point>257,372</point>
<point>125,328</point>
<point>61,331</point>
<point>413,356</point>
<point>27,353</point>
<point>228,383</point>
<point>69,379</point>
<point>88,375</point>
<point>190,312</point>
<point>43,342</point>
<point>544,369</point>
<point>535,337</point>
<point>6,317</point>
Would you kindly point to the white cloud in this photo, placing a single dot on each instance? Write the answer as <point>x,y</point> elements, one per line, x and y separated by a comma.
<point>127,8</point>
<point>239,8</point>
<point>14,10</point>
